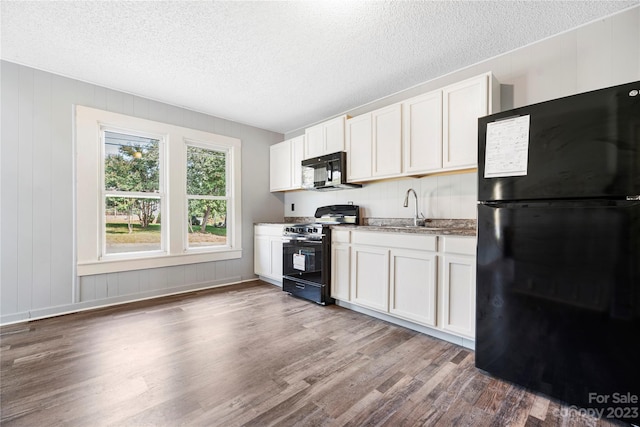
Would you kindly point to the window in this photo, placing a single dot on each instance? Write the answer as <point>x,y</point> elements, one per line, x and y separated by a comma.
<point>133,194</point>
<point>150,194</point>
<point>207,196</point>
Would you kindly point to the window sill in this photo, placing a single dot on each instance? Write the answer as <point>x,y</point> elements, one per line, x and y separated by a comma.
<point>129,264</point>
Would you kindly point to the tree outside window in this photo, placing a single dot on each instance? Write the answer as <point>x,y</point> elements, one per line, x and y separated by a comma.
<point>152,194</point>
<point>132,193</point>
<point>207,196</point>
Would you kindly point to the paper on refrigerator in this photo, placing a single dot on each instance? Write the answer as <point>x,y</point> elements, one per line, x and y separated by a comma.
<point>507,147</point>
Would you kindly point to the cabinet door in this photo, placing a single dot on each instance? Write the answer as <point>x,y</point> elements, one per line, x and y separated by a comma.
<point>358,145</point>
<point>387,141</point>
<point>340,265</point>
<point>459,294</point>
<point>413,285</point>
<point>463,104</point>
<point>261,256</point>
<point>297,155</point>
<point>370,277</point>
<point>280,166</point>
<point>334,135</point>
<point>314,141</point>
<point>275,270</point>
<point>422,133</point>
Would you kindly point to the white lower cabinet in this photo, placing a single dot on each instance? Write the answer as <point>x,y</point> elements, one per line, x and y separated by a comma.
<point>267,256</point>
<point>413,285</point>
<point>340,265</point>
<point>426,279</point>
<point>458,285</point>
<point>370,277</point>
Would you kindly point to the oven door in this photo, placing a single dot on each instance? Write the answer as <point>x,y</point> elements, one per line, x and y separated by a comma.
<point>306,268</point>
<point>302,259</point>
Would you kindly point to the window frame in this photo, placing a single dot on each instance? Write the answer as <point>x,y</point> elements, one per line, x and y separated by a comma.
<point>89,125</point>
<point>162,195</point>
<point>228,179</point>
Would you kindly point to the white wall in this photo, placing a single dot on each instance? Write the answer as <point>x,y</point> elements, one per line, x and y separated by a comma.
<point>37,184</point>
<point>601,54</point>
<point>445,196</point>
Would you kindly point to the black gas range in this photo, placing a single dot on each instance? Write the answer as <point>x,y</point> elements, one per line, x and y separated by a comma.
<point>306,253</point>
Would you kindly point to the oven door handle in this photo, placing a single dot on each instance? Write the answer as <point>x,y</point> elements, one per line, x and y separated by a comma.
<point>301,239</point>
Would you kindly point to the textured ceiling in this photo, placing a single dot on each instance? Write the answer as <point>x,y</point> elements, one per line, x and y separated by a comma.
<point>275,65</point>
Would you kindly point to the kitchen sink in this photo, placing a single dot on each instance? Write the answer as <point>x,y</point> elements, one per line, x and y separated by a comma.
<point>422,227</point>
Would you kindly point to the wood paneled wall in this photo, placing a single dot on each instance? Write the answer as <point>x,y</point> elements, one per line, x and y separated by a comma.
<point>37,276</point>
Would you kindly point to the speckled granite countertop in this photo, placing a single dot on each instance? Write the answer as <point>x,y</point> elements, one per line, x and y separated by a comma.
<point>274,223</point>
<point>447,227</point>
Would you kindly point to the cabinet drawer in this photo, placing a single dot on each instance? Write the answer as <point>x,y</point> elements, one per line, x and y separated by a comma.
<point>269,229</point>
<point>340,236</point>
<point>395,240</point>
<point>459,245</point>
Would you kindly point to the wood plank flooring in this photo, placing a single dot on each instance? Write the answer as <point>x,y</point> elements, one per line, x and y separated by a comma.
<point>249,355</point>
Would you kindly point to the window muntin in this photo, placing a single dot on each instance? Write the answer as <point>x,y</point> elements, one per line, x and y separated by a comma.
<point>207,195</point>
<point>132,193</point>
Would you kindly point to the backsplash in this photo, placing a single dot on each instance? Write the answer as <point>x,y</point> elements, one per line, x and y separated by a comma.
<point>445,196</point>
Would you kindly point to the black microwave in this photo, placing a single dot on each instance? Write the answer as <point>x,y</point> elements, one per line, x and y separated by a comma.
<point>328,172</point>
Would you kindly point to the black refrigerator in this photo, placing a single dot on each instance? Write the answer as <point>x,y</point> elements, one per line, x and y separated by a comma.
<point>558,261</point>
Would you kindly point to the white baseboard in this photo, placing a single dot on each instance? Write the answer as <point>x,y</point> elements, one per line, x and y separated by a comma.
<point>61,310</point>
<point>464,342</point>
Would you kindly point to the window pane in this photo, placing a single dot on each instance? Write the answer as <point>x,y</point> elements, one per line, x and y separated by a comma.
<point>132,225</point>
<point>206,172</point>
<point>207,222</point>
<point>131,163</point>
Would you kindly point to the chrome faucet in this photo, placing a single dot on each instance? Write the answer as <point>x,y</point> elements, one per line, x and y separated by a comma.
<point>416,218</point>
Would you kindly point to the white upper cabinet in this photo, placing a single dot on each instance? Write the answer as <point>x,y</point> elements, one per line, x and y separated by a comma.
<point>422,142</point>
<point>334,135</point>
<point>325,138</point>
<point>441,127</point>
<point>285,164</point>
<point>297,155</point>
<point>430,133</point>
<point>359,148</point>
<point>314,141</point>
<point>387,141</point>
<point>463,103</point>
<point>280,166</point>
<point>374,144</point>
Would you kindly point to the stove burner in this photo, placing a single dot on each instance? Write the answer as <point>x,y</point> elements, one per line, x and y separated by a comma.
<point>307,230</point>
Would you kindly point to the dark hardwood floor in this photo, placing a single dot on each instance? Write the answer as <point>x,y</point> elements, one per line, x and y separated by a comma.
<point>249,355</point>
